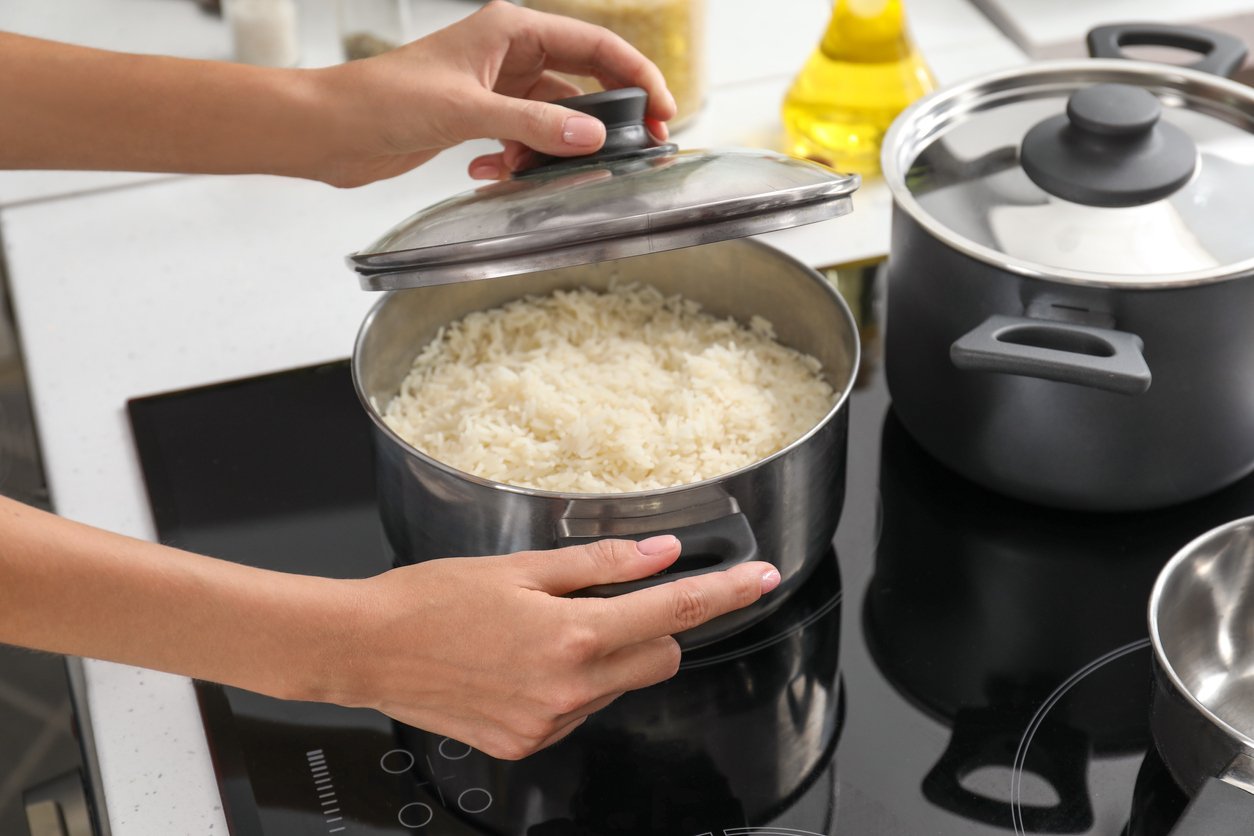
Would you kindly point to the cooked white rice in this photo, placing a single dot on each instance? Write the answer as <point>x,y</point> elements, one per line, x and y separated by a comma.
<point>589,392</point>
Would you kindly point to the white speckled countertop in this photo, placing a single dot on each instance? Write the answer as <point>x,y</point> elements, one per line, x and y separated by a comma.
<point>131,284</point>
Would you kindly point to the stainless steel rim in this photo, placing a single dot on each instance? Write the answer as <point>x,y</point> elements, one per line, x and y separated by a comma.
<point>1169,571</point>
<point>846,315</point>
<point>925,118</point>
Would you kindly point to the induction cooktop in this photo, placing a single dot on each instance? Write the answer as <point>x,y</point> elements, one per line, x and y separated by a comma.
<point>961,663</point>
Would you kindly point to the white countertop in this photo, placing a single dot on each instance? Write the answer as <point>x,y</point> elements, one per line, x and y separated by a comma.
<point>128,284</point>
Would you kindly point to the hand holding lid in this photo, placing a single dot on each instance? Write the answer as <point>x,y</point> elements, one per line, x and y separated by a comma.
<point>634,196</point>
<point>622,113</point>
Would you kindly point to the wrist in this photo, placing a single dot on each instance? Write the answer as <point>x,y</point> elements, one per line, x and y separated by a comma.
<point>339,117</point>
<point>311,638</point>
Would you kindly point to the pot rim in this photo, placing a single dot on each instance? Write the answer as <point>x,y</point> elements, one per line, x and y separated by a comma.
<point>840,403</point>
<point>1163,662</point>
<point>924,118</point>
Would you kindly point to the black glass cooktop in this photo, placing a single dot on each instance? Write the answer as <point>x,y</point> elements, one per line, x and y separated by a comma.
<point>960,664</point>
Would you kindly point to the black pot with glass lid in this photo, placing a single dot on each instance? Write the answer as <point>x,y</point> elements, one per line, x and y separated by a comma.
<point>632,213</point>
<point>1072,274</point>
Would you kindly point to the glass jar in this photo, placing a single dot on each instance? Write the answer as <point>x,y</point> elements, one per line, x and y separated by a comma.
<point>670,32</point>
<point>370,27</point>
<point>864,72</point>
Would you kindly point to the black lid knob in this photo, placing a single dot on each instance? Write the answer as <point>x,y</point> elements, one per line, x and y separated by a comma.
<point>622,112</point>
<point>1113,110</point>
<point>1110,149</point>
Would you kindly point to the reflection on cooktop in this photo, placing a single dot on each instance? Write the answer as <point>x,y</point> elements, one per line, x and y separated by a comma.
<point>961,664</point>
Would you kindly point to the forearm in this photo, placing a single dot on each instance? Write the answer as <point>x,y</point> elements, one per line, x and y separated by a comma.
<point>70,107</point>
<point>70,588</point>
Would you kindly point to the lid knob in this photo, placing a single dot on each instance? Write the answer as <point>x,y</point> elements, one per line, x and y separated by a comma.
<point>622,113</point>
<point>1110,149</point>
<point>1113,110</point>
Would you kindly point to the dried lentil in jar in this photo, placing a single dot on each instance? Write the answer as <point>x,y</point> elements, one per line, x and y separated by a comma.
<point>670,32</point>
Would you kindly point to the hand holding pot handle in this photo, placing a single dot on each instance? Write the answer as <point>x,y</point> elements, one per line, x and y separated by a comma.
<point>488,651</point>
<point>711,546</point>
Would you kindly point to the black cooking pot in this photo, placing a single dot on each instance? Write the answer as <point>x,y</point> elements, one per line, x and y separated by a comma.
<point>981,606</point>
<point>1070,275</point>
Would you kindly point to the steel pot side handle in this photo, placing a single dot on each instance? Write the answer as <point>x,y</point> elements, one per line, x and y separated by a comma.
<point>707,547</point>
<point>1098,358</point>
<point>1218,809</point>
<point>1222,54</point>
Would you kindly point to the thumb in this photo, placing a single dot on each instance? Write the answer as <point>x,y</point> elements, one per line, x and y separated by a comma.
<point>561,571</point>
<point>548,128</point>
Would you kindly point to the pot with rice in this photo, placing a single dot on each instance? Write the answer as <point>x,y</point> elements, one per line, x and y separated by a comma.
<point>611,379</point>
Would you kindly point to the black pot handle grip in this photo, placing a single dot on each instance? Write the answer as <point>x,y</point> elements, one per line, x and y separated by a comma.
<point>1218,809</point>
<point>1222,54</point>
<point>1099,358</point>
<point>706,547</point>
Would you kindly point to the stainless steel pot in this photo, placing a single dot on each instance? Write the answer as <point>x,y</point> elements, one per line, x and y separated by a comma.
<point>1201,619</point>
<point>1070,276</point>
<point>783,508</point>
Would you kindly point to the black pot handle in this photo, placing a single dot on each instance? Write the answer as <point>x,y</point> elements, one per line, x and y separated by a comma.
<point>1218,809</point>
<point>707,547</point>
<point>1099,358</point>
<point>1222,54</point>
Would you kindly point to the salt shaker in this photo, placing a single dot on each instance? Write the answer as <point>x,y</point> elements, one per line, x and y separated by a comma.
<point>264,31</point>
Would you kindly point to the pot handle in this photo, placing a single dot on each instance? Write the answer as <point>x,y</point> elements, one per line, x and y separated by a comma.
<point>1218,809</point>
<point>710,546</point>
<point>1099,358</point>
<point>1222,54</point>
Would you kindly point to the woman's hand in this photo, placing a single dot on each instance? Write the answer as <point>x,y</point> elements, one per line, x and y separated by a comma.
<point>487,76</point>
<point>486,651</point>
<point>481,649</point>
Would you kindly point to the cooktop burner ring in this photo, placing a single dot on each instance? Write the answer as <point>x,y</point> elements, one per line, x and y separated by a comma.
<point>1025,743</point>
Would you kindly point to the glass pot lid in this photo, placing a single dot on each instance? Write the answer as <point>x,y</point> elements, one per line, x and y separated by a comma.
<point>632,197</point>
<point>1106,172</point>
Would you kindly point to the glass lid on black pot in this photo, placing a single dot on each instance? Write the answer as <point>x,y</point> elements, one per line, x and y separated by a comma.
<point>1090,171</point>
<point>632,197</point>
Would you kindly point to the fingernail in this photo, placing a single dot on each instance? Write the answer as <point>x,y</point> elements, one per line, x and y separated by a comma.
<point>657,545</point>
<point>581,130</point>
<point>485,171</point>
<point>770,580</point>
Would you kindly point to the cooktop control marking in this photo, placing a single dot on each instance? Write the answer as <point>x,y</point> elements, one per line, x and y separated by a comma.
<point>416,815</point>
<point>325,789</point>
<point>396,761</point>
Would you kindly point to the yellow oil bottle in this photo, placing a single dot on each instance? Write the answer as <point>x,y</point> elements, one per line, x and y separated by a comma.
<point>864,72</point>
